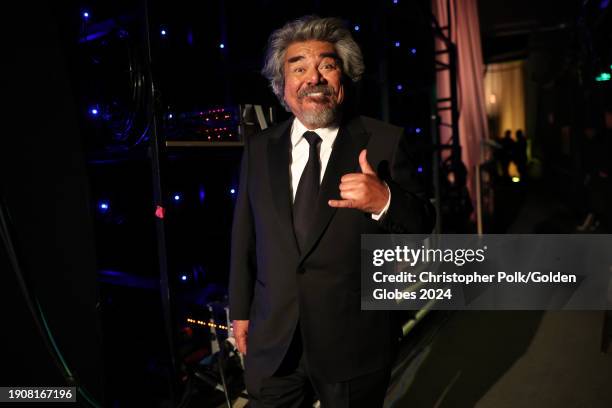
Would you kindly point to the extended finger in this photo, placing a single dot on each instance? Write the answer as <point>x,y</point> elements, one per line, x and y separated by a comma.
<point>363,163</point>
<point>341,203</point>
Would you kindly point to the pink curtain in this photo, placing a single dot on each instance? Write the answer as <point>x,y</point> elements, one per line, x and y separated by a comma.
<point>473,127</point>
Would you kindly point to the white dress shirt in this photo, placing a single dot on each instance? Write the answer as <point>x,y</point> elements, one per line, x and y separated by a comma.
<point>300,150</point>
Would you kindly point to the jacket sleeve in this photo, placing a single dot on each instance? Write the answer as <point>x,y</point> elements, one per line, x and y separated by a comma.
<point>410,212</point>
<point>242,262</point>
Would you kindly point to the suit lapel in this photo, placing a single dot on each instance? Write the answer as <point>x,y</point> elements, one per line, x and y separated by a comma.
<point>279,151</point>
<point>344,159</point>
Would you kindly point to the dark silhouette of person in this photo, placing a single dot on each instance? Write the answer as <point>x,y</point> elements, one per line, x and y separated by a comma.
<point>506,153</point>
<point>520,153</point>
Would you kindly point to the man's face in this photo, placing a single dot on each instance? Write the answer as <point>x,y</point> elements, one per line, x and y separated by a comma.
<point>313,83</point>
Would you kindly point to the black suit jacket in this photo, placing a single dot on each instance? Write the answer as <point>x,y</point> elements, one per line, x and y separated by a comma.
<point>273,285</point>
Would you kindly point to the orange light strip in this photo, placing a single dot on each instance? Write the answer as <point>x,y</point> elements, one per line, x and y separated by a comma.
<point>209,324</point>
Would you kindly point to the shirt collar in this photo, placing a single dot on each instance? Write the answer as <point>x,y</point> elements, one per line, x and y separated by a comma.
<point>327,135</point>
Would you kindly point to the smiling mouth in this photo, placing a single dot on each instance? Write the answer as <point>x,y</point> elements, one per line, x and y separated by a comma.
<point>316,92</point>
<point>317,97</point>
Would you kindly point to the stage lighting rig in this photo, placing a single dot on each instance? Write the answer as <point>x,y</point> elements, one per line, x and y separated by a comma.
<point>220,124</point>
<point>110,82</point>
<point>216,126</point>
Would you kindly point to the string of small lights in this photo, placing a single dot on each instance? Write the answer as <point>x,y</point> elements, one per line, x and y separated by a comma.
<point>209,324</point>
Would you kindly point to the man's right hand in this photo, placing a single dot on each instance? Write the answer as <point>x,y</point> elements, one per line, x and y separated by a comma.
<point>241,332</point>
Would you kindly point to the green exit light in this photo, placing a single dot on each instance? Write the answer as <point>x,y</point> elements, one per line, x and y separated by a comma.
<point>604,76</point>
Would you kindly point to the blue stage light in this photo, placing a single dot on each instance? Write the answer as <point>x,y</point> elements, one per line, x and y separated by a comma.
<point>163,32</point>
<point>85,14</point>
<point>399,87</point>
<point>395,1</point>
<point>417,130</point>
<point>222,46</point>
<point>183,278</point>
<point>170,116</point>
<point>397,43</point>
<point>233,191</point>
<point>356,28</point>
<point>202,194</point>
<point>94,111</point>
<point>177,197</point>
<point>420,169</point>
<point>413,51</point>
<point>103,206</point>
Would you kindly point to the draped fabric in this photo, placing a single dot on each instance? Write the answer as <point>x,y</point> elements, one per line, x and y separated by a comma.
<point>505,91</point>
<point>473,127</point>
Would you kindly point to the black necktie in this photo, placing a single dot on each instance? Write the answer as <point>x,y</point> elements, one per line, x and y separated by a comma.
<point>307,191</point>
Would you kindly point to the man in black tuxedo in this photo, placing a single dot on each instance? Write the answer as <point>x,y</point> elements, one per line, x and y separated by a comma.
<point>309,187</point>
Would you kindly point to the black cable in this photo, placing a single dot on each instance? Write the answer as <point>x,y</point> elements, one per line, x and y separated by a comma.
<point>35,309</point>
<point>221,360</point>
<point>187,394</point>
<point>156,172</point>
<point>13,259</point>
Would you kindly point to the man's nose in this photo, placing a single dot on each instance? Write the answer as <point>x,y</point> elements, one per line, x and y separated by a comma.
<point>315,77</point>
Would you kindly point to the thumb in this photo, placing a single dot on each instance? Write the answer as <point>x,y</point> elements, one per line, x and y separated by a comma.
<point>363,163</point>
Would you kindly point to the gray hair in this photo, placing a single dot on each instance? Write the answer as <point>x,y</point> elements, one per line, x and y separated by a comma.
<point>309,28</point>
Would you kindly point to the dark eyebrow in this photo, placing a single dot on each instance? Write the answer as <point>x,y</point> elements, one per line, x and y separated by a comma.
<point>330,55</point>
<point>322,55</point>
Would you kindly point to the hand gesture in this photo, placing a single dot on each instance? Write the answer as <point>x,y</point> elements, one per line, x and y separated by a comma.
<point>363,191</point>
